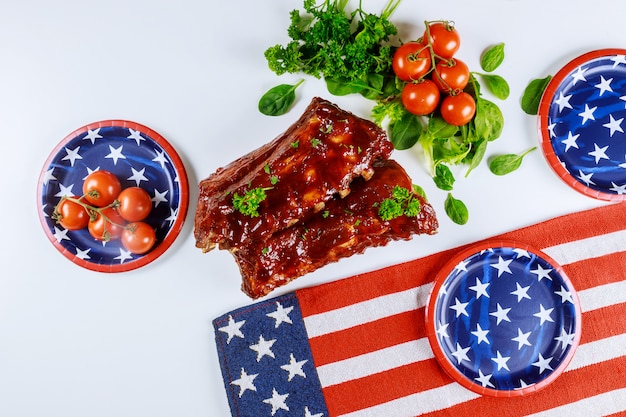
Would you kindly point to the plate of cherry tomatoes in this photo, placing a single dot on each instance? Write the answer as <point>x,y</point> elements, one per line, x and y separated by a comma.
<point>113,196</point>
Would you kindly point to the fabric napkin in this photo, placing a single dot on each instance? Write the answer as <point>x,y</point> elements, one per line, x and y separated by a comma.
<point>358,346</point>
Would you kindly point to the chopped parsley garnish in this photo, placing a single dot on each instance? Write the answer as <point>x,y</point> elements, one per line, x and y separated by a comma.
<point>248,204</point>
<point>402,202</point>
<point>315,142</point>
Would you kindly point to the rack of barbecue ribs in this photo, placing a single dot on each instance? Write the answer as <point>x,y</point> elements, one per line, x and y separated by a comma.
<point>326,156</point>
<point>345,227</point>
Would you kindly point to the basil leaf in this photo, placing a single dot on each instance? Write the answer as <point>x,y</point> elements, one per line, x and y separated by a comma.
<point>278,100</point>
<point>505,164</point>
<point>405,132</point>
<point>497,85</point>
<point>488,121</point>
<point>444,179</point>
<point>456,210</point>
<point>532,95</point>
<point>492,57</point>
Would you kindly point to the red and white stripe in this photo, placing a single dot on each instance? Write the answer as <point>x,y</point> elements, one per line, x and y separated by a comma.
<point>368,339</point>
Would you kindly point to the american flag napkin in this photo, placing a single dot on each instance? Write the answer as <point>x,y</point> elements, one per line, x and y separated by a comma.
<point>357,347</point>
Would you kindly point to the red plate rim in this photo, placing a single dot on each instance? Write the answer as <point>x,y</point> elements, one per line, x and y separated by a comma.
<point>544,136</point>
<point>176,226</point>
<point>431,332</point>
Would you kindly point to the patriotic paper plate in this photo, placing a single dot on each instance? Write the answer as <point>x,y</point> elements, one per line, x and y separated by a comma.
<point>503,319</point>
<point>138,156</point>
<point>580,121</point>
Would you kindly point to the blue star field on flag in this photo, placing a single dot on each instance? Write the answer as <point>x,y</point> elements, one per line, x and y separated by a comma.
<point>266,356</point>
<point>586,124</point>
<point>505,318</point>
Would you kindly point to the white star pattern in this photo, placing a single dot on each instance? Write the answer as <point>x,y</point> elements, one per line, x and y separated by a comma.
<point>579,75</point>
<point>563,101</point>
<point>480,288</point>
<point>587,114</point>
<point>115,154</point>
<point>570,142</point>
<point>484,380</point>
<point>159,197</point>
<point>566,339</point>
<point>123,256</point>
<point>502,266</point>
<point>48,176</point>
<point>138,176</point>
<point>442,330</point>
<point>521,292</point>
<point>618,189</point>
<point>586,178</point>
<point>160,158</point>
<point>604,85</point>
<point>614,125</point>
<point>543,363</point>
<point>481,334</point>
<point>522,339</point>
<point>136,136</point>
<point>460,308</point>
<point>65,191</point>
<point>544,314</point>
<point>263,348</point>
<point>72,155</point>
<point>542,273</point>
<point>599,153</point>
<point>566,296</point>
<point>294,368</point>
<point>245,382</point>
<point>60,234</point>
<point>277,401</point>
<point>618,59</point>
<point>92,135</point>
<point>307,413</point>
<point>461,353</point>
<point>83,254</point>
<point>501,314</point>
<point>233,329</point>
<point>501,361</point>
<point>281,315</point>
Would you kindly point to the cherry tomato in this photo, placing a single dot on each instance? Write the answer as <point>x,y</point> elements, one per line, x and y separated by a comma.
<point>451,76</point>
<point>101,188</point>
<point>71,215</point>
<point>107,225</point>
<point>444,39</point>
<point>411,61</point>
<point>458,109</point>
<point>135,204</point>
<point>421,98</point>
<point>138,237</point>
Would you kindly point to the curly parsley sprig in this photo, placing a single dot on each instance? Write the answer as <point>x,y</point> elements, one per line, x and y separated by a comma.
<point>402,202</point>
<point>248,203</point>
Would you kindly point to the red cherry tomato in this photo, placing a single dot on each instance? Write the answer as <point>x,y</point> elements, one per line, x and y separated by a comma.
<point>107,225</point>
<point>71,215</point>
<point>421,98</point>
<point>451,76</point>
<point>411,61</point>
<point>101,188</point>
<point>135,204</point>
<point>458,109</point>
<point>444,39</point>
<point>138,237</point>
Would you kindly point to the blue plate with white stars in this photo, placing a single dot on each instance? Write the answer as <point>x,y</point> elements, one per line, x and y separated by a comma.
<point>138,156</point>
<point>581,123</point>
<point>503,319</point>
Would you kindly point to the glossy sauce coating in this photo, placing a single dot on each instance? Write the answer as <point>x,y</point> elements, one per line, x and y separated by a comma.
<point>345,227</point>
<point>316,158</point>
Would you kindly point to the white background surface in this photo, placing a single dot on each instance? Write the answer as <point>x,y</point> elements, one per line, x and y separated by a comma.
<point>76,343</point>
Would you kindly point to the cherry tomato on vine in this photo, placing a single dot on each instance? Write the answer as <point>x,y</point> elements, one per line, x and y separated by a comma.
<point>108,225</point>
<point>421,98</point>
<point>458,109</point>
<point>444,38</point>
<point>411,61</point>
<point>451,76</point>
<point>134,204</point>
<point>101,188</point>
<point>138,237</point>
<point>71,215</point>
